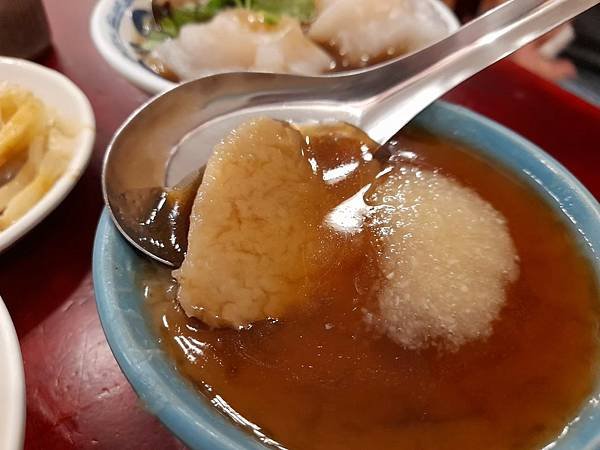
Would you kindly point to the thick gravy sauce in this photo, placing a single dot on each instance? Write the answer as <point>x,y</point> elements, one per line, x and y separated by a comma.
<point>323,378</point>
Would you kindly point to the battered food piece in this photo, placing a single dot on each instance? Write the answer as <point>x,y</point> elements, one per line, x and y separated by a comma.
<point>445,257</point>
<point>254,230</point>
<point>364,31</point>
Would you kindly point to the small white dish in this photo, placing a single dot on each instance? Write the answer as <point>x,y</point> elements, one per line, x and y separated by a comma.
<point>114,27</point>
<point>12,386</point>
<point>60,94</point>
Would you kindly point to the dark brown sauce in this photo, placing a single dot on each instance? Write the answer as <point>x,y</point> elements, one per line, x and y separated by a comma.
<point>324,380</point>
<point>158,218</point>
<point>160,68</point>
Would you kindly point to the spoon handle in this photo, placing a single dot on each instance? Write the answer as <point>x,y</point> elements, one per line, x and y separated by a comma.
<point>394,94</point>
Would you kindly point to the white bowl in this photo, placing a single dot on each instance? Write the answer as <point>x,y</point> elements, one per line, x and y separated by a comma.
<point>12,386</point>
<point>60,94</point>
<point>113,33</point>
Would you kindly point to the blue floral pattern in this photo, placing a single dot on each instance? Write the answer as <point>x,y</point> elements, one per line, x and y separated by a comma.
<point>114,19</point>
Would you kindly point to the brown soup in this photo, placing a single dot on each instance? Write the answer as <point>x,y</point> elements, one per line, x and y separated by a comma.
<point>323,379</point>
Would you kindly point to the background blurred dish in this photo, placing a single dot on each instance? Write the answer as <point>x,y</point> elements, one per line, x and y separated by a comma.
<point>12,386</point>
<point>59,93</point>
<point>114,27</point>
<point>168,395</point>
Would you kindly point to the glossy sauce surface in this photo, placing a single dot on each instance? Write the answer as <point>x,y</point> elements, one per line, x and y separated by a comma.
<point>322,378</point>
<point>158,218</point>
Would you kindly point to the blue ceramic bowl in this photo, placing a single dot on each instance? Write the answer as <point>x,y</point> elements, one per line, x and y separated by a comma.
<point>191,417</point>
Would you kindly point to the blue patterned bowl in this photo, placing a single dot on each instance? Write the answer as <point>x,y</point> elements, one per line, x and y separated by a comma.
<point>191,417</point>
<point>117,35</point>
<point>119,28</point>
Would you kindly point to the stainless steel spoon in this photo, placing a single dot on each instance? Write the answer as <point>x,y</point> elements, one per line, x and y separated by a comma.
<point>174,133</point>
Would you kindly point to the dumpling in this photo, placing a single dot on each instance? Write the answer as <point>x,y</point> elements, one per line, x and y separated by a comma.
<point>239,40</point>
<point>363,30</point>
<point>254,228</point>
<point>446,257</point>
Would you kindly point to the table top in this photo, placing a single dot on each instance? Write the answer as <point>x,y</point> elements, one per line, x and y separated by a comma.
<point>77,396</point>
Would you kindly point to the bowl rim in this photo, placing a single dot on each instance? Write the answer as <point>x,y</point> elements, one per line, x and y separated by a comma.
<point>82,152</point>
<point>153,83</point>
<point>125,66</point>
<point>12,385</point>
<point>203,427</point>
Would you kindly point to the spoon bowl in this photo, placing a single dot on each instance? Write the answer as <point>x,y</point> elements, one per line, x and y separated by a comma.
<point>175,133</point>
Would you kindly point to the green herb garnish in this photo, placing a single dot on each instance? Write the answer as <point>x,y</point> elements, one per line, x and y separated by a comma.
<point>174,18</point>
<point>303,10</point>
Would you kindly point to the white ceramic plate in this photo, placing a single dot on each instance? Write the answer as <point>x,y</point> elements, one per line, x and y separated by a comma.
<point>114,27</point>
<point>12,386</point>
<point>59,93</point>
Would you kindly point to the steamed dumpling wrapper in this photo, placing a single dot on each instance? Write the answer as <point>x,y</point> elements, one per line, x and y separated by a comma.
<point>361,30</point>
<point>239,40</point>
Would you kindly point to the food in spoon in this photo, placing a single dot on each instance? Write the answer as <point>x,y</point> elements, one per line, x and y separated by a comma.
<point>293,36</point>
<point>36,146</point>
<point>253,239</point>
<point>259,238</point>
<point>486,350</point>
<point>256,239</point>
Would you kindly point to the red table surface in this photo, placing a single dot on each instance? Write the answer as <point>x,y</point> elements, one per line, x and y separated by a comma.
<point>76,395</point>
